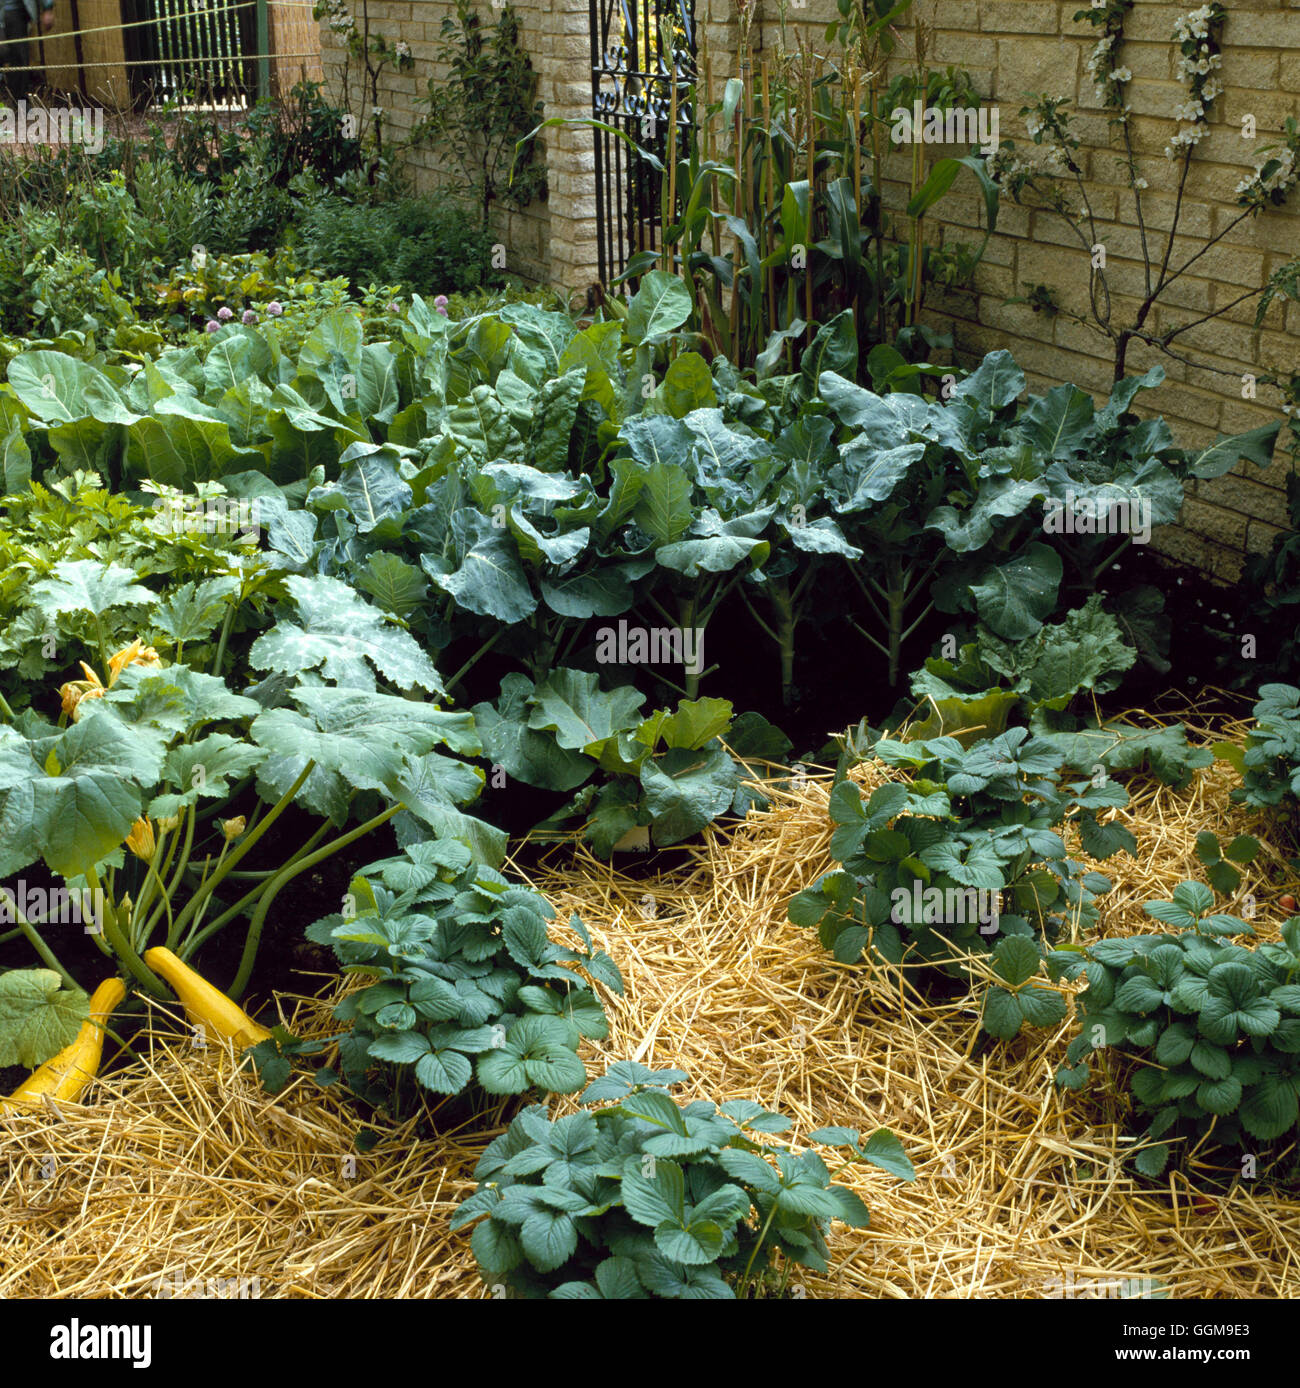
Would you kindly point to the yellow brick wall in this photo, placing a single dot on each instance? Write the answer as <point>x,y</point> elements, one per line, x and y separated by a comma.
<point>1012,48</point>
<point>552,240</point>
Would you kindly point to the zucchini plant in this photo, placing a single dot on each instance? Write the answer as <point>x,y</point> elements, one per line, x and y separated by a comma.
<point>158,780</point>
<point>647,1198</point>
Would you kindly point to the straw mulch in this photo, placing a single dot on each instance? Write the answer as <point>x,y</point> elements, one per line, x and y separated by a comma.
<point>180,1166</point>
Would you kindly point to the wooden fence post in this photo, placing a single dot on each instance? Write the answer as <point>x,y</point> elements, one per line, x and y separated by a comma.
<point>263,52</point>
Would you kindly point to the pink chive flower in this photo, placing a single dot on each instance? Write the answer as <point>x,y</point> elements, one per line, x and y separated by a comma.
<point>212,326</point>
<point>225,314</point>
<point>249,316</point>
<point>440,303</point>
<point>275,308</point>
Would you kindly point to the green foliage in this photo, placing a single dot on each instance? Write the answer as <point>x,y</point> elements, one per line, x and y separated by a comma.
<point>646,1198</point>
<point>274,1059</point>
<point>932,863</point>
<point>92,234</point>
<point>153,748</point>
<point>1219,860</point>
<point>467,983</point>
<point>993,677</point>
<point>76,527</point>
<point>1214,1026</point>
<point>1270,762</point>
<point>505,486</point>
<point>481,108</point>
<point>1019,996</point>
<point>1112,746</point>
<point>770,205</point>
<point>670,771</point>
<point>38,1015</point>
<point>424,245</point>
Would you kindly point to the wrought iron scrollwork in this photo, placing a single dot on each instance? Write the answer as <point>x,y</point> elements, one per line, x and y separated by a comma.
<point>632,76</point>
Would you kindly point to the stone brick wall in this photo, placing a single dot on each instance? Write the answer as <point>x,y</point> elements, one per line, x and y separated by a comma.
<point>551,240</point>
<point>1012,48</point>
<point>554,240</point>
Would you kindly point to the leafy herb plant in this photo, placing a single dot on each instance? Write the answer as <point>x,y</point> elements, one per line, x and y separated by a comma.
<point>649,1198</point>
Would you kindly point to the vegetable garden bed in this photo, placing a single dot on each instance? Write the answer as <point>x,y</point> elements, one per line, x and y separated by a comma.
<point>1020,1190</point>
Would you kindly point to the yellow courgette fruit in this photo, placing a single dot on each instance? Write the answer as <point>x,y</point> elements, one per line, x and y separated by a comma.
<point>202,1002</point>
<point>67,1075</point>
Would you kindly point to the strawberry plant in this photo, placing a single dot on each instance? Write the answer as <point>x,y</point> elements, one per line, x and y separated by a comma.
<point>646,1198</point>
<point>965,850</point>
<point>1269,763</point>
<point>467,984</point>
<point>1207,1029</point>
<point>1219,859</point>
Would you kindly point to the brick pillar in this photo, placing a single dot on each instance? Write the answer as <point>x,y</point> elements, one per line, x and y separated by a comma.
<point>562,56</point>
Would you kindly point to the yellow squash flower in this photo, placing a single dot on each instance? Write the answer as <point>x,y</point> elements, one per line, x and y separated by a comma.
<point>140,840</point>
<point>233,828</point>
<point>134,654</point>
<point>92,687</point>
<point>72,693</point>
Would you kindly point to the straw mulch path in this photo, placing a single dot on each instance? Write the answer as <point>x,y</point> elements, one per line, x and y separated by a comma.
<point>181,1168</point>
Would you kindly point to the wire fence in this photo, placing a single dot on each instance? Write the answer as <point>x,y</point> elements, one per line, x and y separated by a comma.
<point>221,52</point>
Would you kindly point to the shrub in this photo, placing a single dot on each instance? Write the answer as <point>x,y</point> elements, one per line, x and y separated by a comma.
<point>428,246</point>
<point>1214,1027</point>
<point>647,1198</point>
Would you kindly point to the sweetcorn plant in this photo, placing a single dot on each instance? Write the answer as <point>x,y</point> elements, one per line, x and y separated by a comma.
<point>648,1198</point>
<point>1213,1026</point>
<point>467,983</point>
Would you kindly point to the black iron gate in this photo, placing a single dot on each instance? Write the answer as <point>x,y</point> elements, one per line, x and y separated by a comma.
<point>638,49</point>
